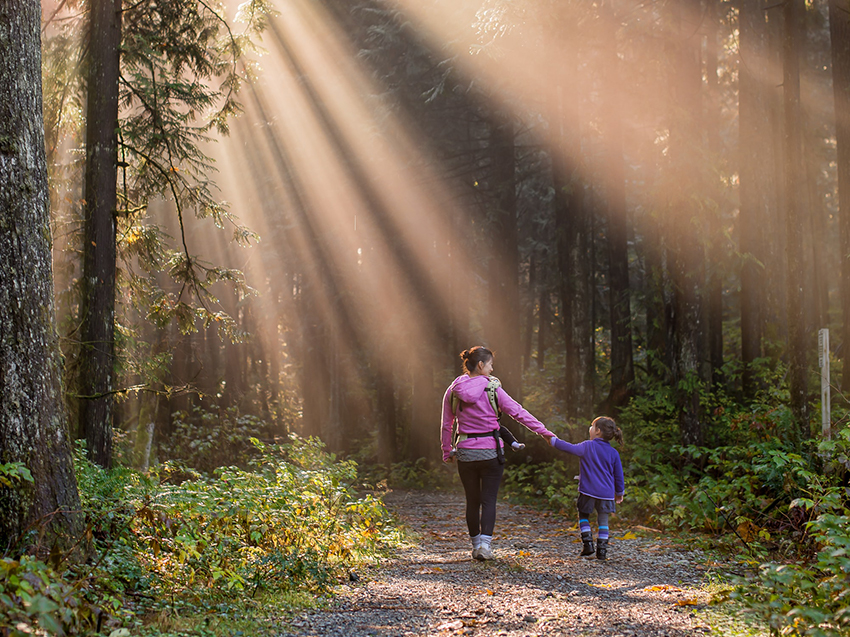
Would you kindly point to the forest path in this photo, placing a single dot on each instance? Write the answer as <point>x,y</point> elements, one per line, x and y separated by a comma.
<point>536,586</point>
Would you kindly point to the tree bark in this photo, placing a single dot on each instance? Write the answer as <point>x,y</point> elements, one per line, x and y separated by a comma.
<point>794,14</point>
<point>33,425</point>
<point>753,145</point>
<point>97,354</point>
<point>503,331</point>
<point>622,364</point>
<point>685,256</point>
<point>543,327</point>
<point>714,311</point>
<point>839,31</point>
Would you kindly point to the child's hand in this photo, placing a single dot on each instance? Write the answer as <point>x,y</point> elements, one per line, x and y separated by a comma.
<point>618,499</point>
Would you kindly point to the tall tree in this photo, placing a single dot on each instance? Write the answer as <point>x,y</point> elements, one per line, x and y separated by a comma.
<point>97,353</point>
<point>794,14</point>
<point>503,331</point>
<point>33,427</point>
<point>753,144</point>
<point>714,143</point>
<point>685,253</point>
<point>839,31</point>
<point>622,364</point>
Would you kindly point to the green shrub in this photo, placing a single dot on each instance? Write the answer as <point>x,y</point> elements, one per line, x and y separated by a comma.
<point>206,440</point>
<point>810,597</point>
<point>178,540</point>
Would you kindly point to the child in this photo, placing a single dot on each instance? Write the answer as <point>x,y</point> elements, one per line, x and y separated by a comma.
<point>600,484</point>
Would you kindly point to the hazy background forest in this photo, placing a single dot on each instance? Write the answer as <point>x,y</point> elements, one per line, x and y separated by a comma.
<point>614,196</point>
<point>276,225</point>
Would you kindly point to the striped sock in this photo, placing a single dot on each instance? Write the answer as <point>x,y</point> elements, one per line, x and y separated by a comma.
<point>603,533</point>
<point>584,526</point>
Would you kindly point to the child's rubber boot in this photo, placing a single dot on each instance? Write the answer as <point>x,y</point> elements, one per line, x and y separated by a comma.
<point>587,549</point>
<point>602,549</point>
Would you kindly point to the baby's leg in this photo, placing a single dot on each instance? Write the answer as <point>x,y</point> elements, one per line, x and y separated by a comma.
<point>509,439</point>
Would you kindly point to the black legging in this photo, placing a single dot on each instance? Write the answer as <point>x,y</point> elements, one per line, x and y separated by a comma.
<point>481,481</point>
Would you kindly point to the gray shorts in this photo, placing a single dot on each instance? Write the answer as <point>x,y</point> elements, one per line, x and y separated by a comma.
<point>587,504</point>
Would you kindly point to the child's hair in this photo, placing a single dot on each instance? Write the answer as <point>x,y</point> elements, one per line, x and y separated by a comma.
<point>474,355</point>
<point>609,428</point>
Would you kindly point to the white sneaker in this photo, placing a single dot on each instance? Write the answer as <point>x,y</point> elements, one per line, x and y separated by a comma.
<point>484,553</point>
<point>475,554</point>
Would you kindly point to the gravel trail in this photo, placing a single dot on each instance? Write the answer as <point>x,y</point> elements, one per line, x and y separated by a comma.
<point>536,586</point>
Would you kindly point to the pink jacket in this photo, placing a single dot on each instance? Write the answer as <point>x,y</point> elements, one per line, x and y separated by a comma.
<point>475,414</point>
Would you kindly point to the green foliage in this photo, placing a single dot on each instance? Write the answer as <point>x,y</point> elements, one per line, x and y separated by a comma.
<point>553,483</point>
<point>180,542</point>
<point>810,597</point>
<point>12,472</point>
<point>35,598</point>
<point>206,440</point>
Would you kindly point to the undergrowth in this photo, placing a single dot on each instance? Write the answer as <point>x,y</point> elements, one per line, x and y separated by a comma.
<point>778,508</point>
<point>175,551</point>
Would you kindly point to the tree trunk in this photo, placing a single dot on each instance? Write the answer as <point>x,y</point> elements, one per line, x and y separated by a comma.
<point>33,425</point>
<point>839,31</point>
<point>503,333</point>
<point>753,145</point>
<point>714,312</point>
<point>794,14</point>
<point>622,365</point>
<point>574,265</point>
<point>97,355</point>
<point>543,327</point>
<point>528,343</point>
<point>685,255</point>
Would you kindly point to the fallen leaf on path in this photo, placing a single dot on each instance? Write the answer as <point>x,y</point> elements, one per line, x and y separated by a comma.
<point>688,602</point>
<point>425,570</point>
<point>662,587</point>
<point>629,536</point>
<point>646,528</point>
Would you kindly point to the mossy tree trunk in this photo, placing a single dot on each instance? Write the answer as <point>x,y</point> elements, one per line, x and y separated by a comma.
<point>33,425</point>
<point>97,354</point>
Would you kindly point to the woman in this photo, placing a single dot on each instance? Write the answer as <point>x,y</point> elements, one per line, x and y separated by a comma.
<point>480,462</point>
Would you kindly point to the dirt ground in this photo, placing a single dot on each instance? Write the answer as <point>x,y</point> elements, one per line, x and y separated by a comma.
<point>536,586</point>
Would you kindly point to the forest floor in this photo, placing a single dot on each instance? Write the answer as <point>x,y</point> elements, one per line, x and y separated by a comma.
<point>650,586</point>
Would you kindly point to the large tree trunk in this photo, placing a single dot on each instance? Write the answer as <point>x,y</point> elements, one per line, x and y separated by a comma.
<point>839,31</point>
<point>99,250</point>
<point>33,426</point>
<point>794,14</point>
<point>622,365</point>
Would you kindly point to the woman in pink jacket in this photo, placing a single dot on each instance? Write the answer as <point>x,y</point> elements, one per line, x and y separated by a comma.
<point>479,453</point>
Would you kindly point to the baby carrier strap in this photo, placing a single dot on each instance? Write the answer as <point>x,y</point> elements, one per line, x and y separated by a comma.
<point>492,386</point>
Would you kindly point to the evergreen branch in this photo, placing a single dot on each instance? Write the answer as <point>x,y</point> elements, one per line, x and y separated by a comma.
<point>53,15</point>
